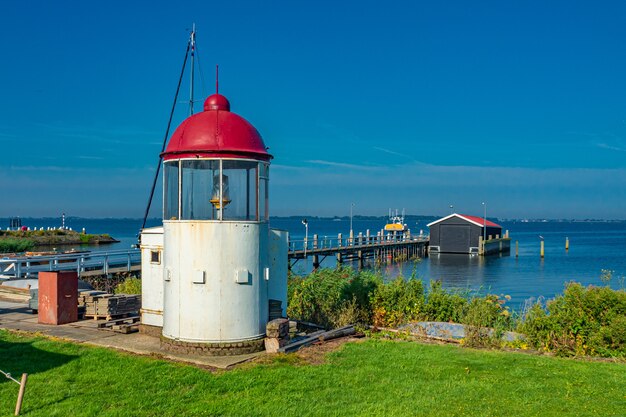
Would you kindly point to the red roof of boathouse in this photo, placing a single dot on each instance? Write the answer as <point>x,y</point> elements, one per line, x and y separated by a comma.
<point>478,221</point>
<point>216,133</point>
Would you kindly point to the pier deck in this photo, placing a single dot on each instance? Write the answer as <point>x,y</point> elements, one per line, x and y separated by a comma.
<point>358,248</point>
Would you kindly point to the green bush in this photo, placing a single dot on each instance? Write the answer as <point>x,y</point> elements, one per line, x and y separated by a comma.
<point>486,319</point>
<point>399,301</point>
<point>330,297</point>
<point>16,245</point>
<point>130,285</point>
<point>582,321</point>
<point>442,305</point>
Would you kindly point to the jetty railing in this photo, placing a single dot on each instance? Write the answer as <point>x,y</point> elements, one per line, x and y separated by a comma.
<point>334,242</point>
<point>84,263</point>
<point>390,247</point>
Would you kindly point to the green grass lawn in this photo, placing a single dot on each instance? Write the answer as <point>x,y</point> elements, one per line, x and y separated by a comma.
<point>385,378</point>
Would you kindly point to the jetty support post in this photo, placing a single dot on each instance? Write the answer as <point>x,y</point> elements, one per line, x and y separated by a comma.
<point>315,237</point>
<point>339,240</point>
<point>481,246</point>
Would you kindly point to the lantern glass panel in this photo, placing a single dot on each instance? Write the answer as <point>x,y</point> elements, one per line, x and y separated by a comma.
<point>197,189</point>
<point>170,192</point>
<point>263,191</point>
<point>242,190</point>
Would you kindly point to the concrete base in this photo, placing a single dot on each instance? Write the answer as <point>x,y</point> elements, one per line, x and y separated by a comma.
<point>17,316</point>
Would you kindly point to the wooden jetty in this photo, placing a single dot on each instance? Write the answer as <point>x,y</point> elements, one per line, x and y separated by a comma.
<point>383,248</point>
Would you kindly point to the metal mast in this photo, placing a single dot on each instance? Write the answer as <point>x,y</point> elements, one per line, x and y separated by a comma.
<point>192,42</point>
<point>169,124</point>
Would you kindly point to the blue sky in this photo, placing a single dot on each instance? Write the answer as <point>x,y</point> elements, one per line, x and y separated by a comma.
<point>415,105</point>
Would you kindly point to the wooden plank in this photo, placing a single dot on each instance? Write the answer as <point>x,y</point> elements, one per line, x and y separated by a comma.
<point>319,336</point>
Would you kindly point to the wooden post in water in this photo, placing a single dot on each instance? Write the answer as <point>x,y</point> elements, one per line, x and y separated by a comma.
<point>567,243</point>
<point>367,237</point>
<point>516,249</point>
<point>339,238</point>
<point>315,241</point>
<point>542,248</point>
<point>481,245</point>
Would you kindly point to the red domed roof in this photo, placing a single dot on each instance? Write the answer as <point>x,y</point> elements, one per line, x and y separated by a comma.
<point>216,132</point>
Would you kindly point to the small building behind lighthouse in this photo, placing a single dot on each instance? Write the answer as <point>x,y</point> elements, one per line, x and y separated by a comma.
<point>210,273</point>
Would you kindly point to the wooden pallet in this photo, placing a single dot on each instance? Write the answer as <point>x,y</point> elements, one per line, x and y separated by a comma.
<point>122,325</point>
<point>110,317</point>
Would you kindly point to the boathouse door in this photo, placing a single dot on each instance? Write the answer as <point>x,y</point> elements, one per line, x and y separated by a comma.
<point>454,238</point>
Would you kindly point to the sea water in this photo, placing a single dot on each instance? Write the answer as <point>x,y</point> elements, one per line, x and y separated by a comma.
<point>596,250</point>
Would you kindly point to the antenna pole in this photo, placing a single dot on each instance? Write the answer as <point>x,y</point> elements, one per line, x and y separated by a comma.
<point>217,79</point>
<point>167,133</point>
<point>192,41</point>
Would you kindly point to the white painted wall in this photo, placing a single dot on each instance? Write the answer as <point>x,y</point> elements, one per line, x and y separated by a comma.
<point>214,282</point>
<point>151,277</point>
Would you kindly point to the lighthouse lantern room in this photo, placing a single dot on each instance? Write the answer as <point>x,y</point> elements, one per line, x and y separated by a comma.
<point>221,264</point>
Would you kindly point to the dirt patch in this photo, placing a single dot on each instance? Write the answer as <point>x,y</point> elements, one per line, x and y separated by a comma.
<point>316,354</point>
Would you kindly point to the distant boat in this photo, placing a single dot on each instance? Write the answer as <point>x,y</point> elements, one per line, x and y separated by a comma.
<point>396,223</point>
<point>336,219</point>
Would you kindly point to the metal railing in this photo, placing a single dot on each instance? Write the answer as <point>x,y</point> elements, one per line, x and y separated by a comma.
<point>337,242</point>
<point>84,263</point>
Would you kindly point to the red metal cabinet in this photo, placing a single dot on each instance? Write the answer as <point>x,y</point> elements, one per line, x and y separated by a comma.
<point>58,297</point>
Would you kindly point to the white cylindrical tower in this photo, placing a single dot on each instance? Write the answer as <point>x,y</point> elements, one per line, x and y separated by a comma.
<point>216,264</point>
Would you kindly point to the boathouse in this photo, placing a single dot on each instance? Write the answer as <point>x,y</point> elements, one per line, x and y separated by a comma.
<point>461,233</point>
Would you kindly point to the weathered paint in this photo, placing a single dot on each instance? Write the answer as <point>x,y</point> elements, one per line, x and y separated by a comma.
<point>152,277</point>
<point>220,309</point>
<point>58,297</point>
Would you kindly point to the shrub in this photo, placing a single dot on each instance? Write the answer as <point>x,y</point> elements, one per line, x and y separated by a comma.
<point>330,297</point>
<point>16,245</point>
<point>581,321</point>
<point>397,302</point>
<point>442,305</point>
<point>130,285</point>
<point>486,319</point>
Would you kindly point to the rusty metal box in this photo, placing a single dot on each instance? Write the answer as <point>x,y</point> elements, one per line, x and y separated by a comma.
<point>58,297</point>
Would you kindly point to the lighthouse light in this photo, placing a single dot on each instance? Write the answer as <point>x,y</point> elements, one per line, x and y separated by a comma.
<point>215,195</point>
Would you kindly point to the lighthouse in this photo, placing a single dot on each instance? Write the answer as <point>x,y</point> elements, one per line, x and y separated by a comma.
<point>210,273</point>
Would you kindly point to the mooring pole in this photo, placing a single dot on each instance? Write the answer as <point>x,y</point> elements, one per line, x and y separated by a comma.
<point>20,396</point>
